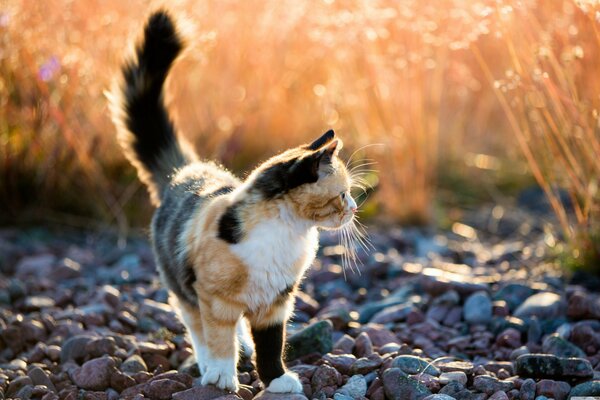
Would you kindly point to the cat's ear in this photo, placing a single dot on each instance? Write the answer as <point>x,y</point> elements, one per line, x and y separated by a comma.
<point>326,154</point>
<point>306,169</point>
<point>322,141</point>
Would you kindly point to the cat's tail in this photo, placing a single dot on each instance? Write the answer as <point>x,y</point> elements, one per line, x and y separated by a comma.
<point>145,131</point>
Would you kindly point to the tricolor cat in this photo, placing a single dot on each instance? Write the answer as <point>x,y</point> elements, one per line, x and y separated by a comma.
<point>231,251</point>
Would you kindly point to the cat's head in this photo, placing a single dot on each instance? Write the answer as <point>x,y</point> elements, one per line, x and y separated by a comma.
<point>312,180</point>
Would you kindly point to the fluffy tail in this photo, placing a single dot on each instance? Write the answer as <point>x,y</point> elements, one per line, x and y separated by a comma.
<point>145,131</point>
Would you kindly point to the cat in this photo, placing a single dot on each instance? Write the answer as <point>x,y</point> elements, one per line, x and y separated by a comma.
<point>231,251</point>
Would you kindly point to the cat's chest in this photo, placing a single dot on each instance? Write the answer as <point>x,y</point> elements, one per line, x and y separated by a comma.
<point>276,256</point>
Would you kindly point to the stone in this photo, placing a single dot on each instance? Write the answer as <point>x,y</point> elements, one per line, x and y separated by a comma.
<point>556,345</point>
<point>105,346</point>
<point>449,366</point>
<point>39,377</point>
<point>556,389</point>
<point>74,348</point>
<point>545,305</point>
<point>395,313</point>
<point>591,388</point>
<point>439,396</point>
<point>452,388</point>
<point>498,396</point>
<point>134,364</point>
<point>94,374</point>
<point>549,366</point>
<point>345,344</point>
<point>514,294</point>
<point>363,346</point>
<point>342,362</point>
<point>40,266</point>
<point>490,385</point>
<point>120,381</point>
<point>208,392</point>
<point>379,335</point>
<point>163,389</point>
<point>17,384</point>
<point>576,368</point>
<point>36,303</point>
<point>510,338</point>
<point>325,376</point>
<point>414,365</point>
<point>355,388</point>
<point>527,390</point>
<point>264,395</point>
<point>456,376</point>
<point>538,366</point>
<point>314,338</point>
<point>398,386</point>
<point>365,365</point>
<point>478,308</point>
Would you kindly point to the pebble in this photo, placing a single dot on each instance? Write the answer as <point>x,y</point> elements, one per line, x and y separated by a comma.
<point>94,374</point>
<point>478,308</point>
<point>591,388</point>
<point>356,387</point>
<point>134,364</point>
<point>456,376</point>
<point>555,389</point>
<point>415,365</point>
<point>314,338</point>
<point>527,390</point>
<point>554,344</point>
<point>544,305</point>
<point>363,346</point>
<point>398,386</point>
<point>491,385</point>
<point>39,377</point>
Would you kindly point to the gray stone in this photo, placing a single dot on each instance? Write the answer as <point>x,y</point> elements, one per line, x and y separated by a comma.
<point>490,385</point>
<point>478,308</point>
<point>398,386</point>
<point>134,364</point>
<point>94,374</point>
<point>546,305</point>
<point>414,365</point>
<point>514,294</point>
<point>591,388</point>
<point>74,348</point>
<point>313,338</point>
<point>355,388</point>
<point>39,377</point>
<point>556,345</point>
<point>549,366</point>
<point>439,396</point>
<point>527,391</point>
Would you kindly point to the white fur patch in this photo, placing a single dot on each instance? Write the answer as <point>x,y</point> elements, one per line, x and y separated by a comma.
<point>244,338</point>
<point>200,350</point>
<point>222,373</point>
<point>270,250</point>
<point>286,383</point>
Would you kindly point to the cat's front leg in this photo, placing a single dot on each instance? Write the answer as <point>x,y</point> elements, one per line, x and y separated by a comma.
<point>219,320</point>
<point>268,332</point>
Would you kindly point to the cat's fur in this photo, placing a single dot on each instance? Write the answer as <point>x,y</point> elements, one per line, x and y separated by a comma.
<point>231,251</point>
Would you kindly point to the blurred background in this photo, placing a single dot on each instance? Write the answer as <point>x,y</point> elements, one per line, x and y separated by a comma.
<point>459,104</point>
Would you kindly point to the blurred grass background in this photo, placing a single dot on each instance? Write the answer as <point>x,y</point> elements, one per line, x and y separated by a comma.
<point>466,100</point>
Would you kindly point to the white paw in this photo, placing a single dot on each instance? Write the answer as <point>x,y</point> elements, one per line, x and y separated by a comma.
<point>286,383</point>
<point>222,374</point>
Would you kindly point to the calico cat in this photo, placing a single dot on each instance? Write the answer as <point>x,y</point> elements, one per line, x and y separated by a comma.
<point>231,251</point>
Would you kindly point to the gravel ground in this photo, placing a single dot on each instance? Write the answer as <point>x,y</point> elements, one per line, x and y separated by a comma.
<point>470,313</point>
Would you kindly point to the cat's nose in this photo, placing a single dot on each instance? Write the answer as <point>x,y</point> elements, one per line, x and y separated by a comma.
<point>354,210</point>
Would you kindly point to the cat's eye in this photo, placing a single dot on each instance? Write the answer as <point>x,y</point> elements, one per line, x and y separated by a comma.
<point>343,195</point>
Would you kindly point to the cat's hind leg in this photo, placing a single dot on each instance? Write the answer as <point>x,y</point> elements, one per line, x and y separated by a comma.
<point>193,323</point>
<point>244,339</point>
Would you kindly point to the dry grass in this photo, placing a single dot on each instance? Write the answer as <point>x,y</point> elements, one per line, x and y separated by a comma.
<point>258,77</point>
<point>551,96</point>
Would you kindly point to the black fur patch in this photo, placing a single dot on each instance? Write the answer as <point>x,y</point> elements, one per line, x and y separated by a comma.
<point>280,178</point>
<point>324,139</point>
<point>230,227</point>
<point>269,350</point>
<point>146,115</point>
